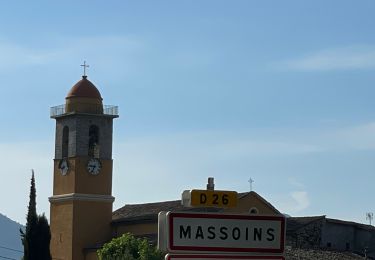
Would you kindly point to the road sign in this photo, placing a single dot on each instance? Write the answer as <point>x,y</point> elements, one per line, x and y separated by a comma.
<point>206,232</point>
<point>226,257</point>
<point>209,198</point>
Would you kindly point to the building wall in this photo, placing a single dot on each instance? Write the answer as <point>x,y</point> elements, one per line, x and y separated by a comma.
<point>252,201</point>
<point>79,226</point>
<point>365,239</point>
<point>338,236</point>
<point>92,226</point>
<point>137,229</point>
<point>79,135</point>
<point>308,236</point>
<point>61,221</point>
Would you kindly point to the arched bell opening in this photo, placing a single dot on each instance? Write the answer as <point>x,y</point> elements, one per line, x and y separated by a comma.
<point>65,142</point>
<point>93,141</point>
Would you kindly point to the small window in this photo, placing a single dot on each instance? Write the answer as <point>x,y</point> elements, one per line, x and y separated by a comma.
<point>347,246</point>
<point>65,142</point>
<point>329,244</point>
<point>253,210</point>
<point>94,141</point>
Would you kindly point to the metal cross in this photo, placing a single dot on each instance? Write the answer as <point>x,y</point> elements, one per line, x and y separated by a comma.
<point>251,184</point>
<point>84,68</point>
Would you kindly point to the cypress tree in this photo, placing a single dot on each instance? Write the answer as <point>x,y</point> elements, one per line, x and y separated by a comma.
<point>43,238</point>
<point>36,237</point>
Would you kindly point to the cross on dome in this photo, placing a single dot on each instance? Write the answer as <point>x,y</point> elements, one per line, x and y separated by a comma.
<point>84,68</point>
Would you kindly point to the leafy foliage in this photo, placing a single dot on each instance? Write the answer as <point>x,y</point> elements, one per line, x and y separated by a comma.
<point>127,247</point>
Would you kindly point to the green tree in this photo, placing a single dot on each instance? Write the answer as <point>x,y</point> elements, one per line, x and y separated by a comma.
<point>127,247</point>
<point>37,235</point>
<point>43,238</point>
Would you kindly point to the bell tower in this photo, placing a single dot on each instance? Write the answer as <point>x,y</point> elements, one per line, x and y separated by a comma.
<point>81,205</point>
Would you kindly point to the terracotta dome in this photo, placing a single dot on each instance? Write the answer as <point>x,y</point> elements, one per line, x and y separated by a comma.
<point>84,88</point>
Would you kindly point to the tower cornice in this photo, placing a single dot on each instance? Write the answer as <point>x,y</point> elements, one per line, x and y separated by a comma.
<point>81,197</point>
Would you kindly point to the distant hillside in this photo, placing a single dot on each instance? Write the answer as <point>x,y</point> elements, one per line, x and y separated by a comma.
<point>10,238</point>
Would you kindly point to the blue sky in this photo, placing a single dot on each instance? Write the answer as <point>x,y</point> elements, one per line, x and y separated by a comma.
<point>279,91</point>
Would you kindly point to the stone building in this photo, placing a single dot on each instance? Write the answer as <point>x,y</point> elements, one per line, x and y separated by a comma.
<point>320,232</point>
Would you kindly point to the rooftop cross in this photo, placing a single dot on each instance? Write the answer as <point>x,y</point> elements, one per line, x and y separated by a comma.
<point>84,68</point>
<point>251,184</point>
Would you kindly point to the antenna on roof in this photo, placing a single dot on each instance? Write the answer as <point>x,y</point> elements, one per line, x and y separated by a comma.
<point>369,217</point>
<point>251,184</point>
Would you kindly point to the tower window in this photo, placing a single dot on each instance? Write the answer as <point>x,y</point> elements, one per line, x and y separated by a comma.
<point>65,142</point>
<point>94,141</point>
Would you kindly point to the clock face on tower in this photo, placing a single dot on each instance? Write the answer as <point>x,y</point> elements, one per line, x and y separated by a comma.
<point>64,167</point>
<point>94,166</point>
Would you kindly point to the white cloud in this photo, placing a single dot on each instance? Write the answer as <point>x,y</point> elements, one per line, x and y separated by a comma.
<point>361,137</point>
<point>348,58</point>
<point>301,199</point>
<point>14,56</point>
<point>184,161</point>
<point>17,160</point>
<point>293,203</point>
<point>104,50</point>
<point>295,183</point>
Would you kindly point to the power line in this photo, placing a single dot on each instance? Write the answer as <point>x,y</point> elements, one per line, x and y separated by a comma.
<point>4,257</point>
<point>11,249</point>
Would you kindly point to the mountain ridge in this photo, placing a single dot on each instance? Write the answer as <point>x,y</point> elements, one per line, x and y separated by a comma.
<point>10,238</point>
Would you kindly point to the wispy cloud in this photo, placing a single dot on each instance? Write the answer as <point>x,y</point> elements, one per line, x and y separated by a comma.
<point>104,49</point>
<point>184,160</point>
<point>15,56</point>
<point>360,137</point>
<point>295,183</point>
<point>301,199</point>
<point>347,58</point>
<point>293,203</point>
<point>355,137</point>
<point>20,158</point>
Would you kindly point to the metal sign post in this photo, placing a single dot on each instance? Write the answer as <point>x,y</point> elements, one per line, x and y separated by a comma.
<point>226,257</point>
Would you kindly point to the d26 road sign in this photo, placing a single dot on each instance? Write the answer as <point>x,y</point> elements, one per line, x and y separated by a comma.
<point>209,198</point>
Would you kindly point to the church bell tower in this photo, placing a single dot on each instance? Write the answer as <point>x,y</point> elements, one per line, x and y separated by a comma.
<point>81,205</point>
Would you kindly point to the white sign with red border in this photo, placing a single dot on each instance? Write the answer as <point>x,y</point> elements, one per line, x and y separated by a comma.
<point>219,257</point>
<point>205,232</point>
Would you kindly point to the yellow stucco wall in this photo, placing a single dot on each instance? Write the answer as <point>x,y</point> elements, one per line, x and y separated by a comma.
<point>81,224</point>
<point>250,201</point>
<point>84,105</point>
<point>137,229</point>
<point>61,230</point>
<point>78,180</point>
<point>91,225</point>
